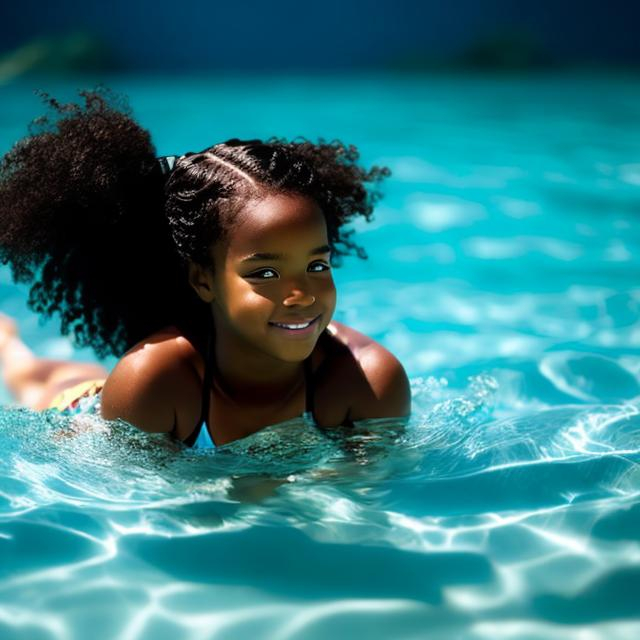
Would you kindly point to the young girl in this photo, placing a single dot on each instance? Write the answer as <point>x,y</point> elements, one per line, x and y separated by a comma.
<point>208,274</point>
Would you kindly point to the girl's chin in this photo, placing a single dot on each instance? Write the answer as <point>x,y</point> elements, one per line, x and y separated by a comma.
<point>297,352</point>
<point>298,355</point>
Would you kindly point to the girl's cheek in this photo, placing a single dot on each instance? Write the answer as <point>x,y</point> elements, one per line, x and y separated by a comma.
<point>330,287</point>
<point>266,298</point>
<point>329,295</point>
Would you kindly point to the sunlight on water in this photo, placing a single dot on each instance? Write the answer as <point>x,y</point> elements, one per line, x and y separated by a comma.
<point>503,272</point>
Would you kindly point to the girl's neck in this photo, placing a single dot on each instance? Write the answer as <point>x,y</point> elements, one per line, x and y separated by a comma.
<point>252,377</point>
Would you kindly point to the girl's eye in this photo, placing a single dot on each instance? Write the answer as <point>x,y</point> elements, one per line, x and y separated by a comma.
<point>263,274</point>
<point>317,267</point>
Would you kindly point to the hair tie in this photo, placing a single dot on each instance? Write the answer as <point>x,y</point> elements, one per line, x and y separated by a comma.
<point>166,164</point>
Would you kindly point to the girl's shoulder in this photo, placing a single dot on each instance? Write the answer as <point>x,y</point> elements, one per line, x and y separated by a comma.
<point>165,351</point>
<point>151,379</point>
<point>357,378</point>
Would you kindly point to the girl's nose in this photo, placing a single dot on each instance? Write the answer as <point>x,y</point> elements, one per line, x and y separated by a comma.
<point>298,297</point>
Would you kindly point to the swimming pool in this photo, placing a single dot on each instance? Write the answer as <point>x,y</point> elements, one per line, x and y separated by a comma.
<point>503,271</point>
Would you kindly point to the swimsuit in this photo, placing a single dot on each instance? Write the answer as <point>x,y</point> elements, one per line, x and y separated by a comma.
<point>81,398</point>
<point>200,437</point>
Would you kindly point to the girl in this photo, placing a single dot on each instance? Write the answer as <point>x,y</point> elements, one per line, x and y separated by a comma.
<point>208,274</point>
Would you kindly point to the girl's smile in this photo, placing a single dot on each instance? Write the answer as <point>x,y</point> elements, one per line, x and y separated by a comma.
<point>297,327</point>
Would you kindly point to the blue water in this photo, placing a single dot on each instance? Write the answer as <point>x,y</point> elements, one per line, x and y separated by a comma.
<point>504,272</point>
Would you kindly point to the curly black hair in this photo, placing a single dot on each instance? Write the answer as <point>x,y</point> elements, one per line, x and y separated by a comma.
<point>104,237</point>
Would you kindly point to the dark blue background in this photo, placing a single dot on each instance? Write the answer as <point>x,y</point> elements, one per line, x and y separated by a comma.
<point>333,34</point>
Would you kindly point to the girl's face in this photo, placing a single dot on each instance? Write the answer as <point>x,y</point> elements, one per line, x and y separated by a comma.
<point>272,288</point>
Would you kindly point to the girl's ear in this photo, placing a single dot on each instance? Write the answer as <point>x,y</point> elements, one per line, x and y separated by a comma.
<point>201,279</point>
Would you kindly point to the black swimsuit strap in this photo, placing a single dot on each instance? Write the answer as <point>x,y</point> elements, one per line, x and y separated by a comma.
<point>209,372</point>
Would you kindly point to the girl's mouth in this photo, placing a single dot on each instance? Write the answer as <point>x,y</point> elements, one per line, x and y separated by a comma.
<point>300,327</point>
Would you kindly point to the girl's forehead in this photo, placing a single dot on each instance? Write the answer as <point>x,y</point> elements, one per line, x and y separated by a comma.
<point>277,220</point>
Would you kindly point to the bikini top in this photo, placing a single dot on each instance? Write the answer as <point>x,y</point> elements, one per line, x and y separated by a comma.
<point>200,438</point>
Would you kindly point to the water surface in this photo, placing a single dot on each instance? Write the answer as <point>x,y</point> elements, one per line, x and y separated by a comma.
<point>503,272</point>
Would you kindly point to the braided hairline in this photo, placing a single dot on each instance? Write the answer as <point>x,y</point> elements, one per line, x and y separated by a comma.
<point>193,233</point>
<point>233,167</point>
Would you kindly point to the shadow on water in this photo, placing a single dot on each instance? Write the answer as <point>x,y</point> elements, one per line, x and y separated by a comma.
<point>611,597</point>
<point>456,502</point>
<point>284,556</point>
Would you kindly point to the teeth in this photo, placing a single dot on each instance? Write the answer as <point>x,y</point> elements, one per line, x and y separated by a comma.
<point>304,325</point>
<point>294,326</point>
